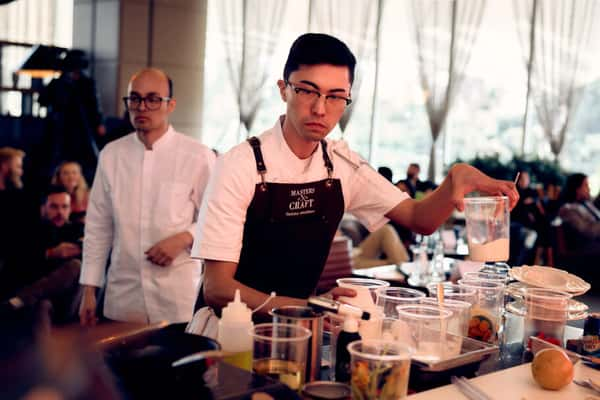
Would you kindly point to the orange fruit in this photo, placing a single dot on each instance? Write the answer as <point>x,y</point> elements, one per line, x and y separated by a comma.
<point>552,369</point>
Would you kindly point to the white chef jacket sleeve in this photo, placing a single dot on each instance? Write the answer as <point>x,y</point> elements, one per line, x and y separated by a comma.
<point>99,231</point>
<point>367,194</point>
<point>199,187</point>
<point>223,212</point>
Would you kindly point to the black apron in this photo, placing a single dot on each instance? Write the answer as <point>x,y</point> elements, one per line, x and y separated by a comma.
<point>288,232</point>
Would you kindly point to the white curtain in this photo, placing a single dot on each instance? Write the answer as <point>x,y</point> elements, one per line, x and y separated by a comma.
<point>445,31</point>
<point>556,38</point>
<point>28,21</point>
<point>355,22</point>
<point>250,29</point>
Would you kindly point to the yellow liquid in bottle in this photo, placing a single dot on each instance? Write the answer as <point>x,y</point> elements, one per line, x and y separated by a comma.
<point>241,360</point>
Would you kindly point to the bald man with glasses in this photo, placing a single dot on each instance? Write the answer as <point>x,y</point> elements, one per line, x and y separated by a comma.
<point>142,212</point>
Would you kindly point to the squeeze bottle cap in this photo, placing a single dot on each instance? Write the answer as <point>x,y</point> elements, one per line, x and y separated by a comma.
<point>350,324</point>
<point>236,310</point>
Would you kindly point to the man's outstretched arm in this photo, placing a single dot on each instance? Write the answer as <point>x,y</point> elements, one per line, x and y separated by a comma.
<point>426,215</point>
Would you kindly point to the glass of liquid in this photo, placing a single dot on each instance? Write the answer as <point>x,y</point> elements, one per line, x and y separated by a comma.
<point>280,352</point>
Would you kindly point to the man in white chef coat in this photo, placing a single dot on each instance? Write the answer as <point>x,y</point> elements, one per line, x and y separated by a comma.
<point>142,212</point>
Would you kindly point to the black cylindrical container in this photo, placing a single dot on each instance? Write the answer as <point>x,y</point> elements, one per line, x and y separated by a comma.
<point>348,335</point>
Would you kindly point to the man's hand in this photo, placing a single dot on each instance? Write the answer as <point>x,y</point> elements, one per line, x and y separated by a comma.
<point>340,291</point>
<point>466,179</point>
<point>164,252</point>
<point>64,250</point>
<point>87,308</point>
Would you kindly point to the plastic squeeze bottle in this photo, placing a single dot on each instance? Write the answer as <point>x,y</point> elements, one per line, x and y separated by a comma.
<point>234,333</point>
<point>348,335</point>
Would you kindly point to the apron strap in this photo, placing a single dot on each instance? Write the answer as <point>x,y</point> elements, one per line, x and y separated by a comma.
<point>262,169</point>
<point>328,163</point>
<point>260,164</point>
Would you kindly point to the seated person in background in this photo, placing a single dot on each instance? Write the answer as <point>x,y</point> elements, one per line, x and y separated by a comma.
<point>529,206</point>
<point>530,212</point>
<point>58,247</point>
<point>18,215</point>
<point>580,217</point>
<point>11,168</point>
<point>552,200</point>
<point>68,174</point>
<point>416,188</point>
<point>381,247</point>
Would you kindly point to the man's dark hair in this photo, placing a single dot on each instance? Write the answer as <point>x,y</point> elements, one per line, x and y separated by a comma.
<point>574,182</point>
<point>319,48</point>
<point>53,189</point>
<point>386,172</point>
<point>415,165</point>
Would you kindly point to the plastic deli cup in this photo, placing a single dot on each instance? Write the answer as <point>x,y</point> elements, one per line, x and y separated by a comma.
<point>428,326</point>
<point>380,369</point>
<point>487,309</point>
<point>280,352</point>
<point>390,297</point>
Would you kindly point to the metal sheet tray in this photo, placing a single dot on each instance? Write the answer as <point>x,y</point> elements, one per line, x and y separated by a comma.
<point>472,351</point>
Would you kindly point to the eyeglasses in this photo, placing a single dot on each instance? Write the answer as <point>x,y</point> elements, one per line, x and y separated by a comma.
<point>152,102</point>
<point>309,96</point>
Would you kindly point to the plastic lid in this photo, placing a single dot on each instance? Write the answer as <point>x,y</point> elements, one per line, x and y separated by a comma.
<point>236,310</point>
<point>350,324</point>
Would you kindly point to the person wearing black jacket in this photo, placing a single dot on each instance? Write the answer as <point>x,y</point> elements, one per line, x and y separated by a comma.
<point>74,113</point>
<point>52,271</point>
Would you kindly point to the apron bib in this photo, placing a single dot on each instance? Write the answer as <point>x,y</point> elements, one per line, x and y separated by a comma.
<point>288,232</point>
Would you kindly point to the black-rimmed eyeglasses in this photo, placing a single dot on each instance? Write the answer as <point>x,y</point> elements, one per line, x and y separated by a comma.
<point>310,95</point>
<point>151,102</point>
